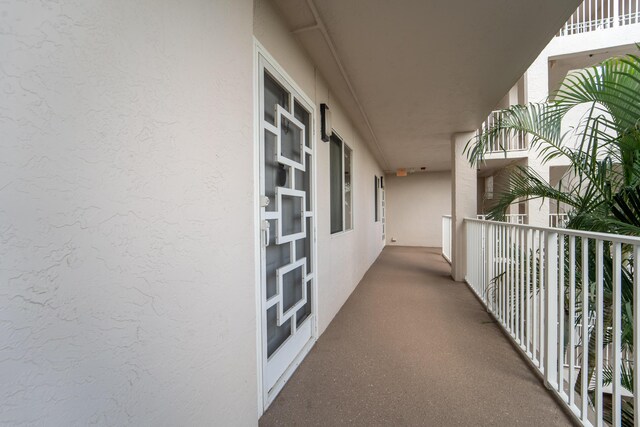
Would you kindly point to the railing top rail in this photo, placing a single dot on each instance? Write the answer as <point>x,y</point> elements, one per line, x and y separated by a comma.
<point>446,216</point>
<point>569,232</point>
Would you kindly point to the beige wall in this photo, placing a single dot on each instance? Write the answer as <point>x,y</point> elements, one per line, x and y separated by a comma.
<point>342,258</point>
<point>415,205</point>
<point>127,285</point>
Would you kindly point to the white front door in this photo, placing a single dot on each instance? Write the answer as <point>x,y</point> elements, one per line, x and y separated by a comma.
<point>287,222</point>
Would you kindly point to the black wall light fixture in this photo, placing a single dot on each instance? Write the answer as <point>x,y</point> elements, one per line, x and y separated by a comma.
<point>325,122</point>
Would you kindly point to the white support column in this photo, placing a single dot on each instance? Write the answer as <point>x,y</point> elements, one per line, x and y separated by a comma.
<point>537,91</point>
<point>463,201</point>
<point>538,210</point>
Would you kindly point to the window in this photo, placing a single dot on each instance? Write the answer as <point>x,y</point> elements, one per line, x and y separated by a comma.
<point>376,204</point>
<point>340,185</point>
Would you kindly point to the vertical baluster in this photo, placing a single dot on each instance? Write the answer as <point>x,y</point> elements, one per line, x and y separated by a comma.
<point>522,294</point>
<point>561,295</point>
<point>617,329</point>
<point>534,297</point>
<point>497,290</point>
<point>572,318</point>
<point>498,284</point>
<point>585,329</point>
<point>541,298</point>
<point>503,282</point>
<point>490,259</point>
<point>599,330</point>
<point>480,258</point>
<point>505,277</point>
<point>551,308</point>
<point>511,281</point>
<point>516,284</point>
<point>636,331</point>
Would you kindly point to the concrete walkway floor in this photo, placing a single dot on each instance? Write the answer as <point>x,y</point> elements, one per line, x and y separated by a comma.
<point>412,347</point>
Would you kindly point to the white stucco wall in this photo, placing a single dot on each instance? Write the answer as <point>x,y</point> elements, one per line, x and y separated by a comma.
<point>415,205</point>
<point>127,289</point>
<point>342,258</point>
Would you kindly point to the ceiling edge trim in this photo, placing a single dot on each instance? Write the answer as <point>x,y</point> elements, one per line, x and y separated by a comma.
<point>327,39</point>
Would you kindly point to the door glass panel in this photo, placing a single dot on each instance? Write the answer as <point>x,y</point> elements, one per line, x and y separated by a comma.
<point>303,247</point>
<point>303,182</point>
<point>304,117</point>
<point>292,288</point>
<point>276,335</point>
<point>274,94</point>
<point>271,169</point>
<point>275,257</point>
<point>291,215</point>
<point>290,140</point>
<point>305,310</point>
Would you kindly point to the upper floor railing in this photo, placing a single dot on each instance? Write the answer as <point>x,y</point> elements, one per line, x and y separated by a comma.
<point>501,142</point>
<point>540,284</point>
<point>558,220</point>
<point>510,218</point>
<point>596,15</point>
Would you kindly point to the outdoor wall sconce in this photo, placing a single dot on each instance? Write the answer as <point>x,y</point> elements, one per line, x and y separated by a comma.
<point>325,122</point>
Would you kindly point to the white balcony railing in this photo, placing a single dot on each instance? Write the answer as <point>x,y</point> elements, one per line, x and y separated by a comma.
<point>558,220</point>
<point>510,218</point>
<point>596,15</point>
<point>530,279</point>
<point>446,238</point>
<point>502,143</point>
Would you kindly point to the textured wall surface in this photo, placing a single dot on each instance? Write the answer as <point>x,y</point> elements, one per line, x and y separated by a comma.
<point>415,205</point>
<point>126,213</point>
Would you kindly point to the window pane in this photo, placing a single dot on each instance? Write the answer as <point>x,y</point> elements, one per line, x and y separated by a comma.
<point>335,156</point>
<point>348,197</point>
<point>375,198</point>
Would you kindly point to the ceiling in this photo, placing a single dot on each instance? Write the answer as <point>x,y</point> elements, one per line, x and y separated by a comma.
<point>411,73</point>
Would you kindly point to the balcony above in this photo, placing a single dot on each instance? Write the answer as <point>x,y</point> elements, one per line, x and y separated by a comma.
<point>599,15</point>
<point>510,147</point>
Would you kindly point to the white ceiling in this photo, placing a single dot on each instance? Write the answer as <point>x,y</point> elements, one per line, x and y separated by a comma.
<point>413,72</point>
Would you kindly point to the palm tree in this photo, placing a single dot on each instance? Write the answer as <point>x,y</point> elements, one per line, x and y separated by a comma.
<point>603,151</point>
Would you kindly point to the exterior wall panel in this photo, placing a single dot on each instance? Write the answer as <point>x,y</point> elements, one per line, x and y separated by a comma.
<point>126,208</point>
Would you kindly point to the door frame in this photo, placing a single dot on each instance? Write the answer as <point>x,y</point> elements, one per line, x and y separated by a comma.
<point>264,397</point>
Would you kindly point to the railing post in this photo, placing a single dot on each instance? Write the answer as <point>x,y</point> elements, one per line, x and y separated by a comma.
<point>489,263</point>
<point>616,13</point>
<point>551,309</point>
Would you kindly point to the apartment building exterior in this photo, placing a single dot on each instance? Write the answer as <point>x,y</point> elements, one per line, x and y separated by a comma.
<point>191,190</point>
<point>597,30</point>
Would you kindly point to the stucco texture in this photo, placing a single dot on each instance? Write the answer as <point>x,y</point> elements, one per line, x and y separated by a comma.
<point>127,289</point>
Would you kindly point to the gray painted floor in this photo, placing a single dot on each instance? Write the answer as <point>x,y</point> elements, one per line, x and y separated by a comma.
<point>412,347</point>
